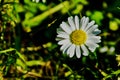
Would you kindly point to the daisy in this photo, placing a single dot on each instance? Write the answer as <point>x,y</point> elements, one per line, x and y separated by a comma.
<point>78,37</point>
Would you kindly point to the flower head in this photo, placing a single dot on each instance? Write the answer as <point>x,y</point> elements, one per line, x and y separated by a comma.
<point>78,37</point>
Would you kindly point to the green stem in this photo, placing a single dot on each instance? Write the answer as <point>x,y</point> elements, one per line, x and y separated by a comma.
<point>35,62</point>
<point>38,19</point>
<point>7,50</point>
<point>12,49</point>
<point>110,75</point>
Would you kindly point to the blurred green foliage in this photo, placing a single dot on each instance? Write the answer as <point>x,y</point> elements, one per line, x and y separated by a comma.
<point>28,50</point>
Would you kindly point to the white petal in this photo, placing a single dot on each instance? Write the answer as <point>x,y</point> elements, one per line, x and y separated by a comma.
<point>71,22</point>
<point>81,21</point>
<point>89,25</point>
<point>65,46</point>
<point>95,39</point>
<point>63,35</point>
<point>58,39</point>
<point>62,32</point>
<point>92,28</point>
<point>92,49</point>
<point>78,52</point>
<point>63,41</point>
<point>65,27</point>
<point>71,50</point>
<point>59,30</point>
<point>85,50</point>
<point>77,22</point>
<point>85,22</point>
<point>92,46</point>
<point>96,31</point>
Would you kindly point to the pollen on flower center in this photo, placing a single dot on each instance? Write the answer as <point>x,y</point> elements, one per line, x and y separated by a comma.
<point>78,37</point>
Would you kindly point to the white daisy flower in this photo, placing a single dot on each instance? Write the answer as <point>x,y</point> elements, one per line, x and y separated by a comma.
<point>78,37</point>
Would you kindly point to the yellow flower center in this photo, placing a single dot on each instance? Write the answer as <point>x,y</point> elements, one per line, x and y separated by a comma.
<point>78,37</point>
